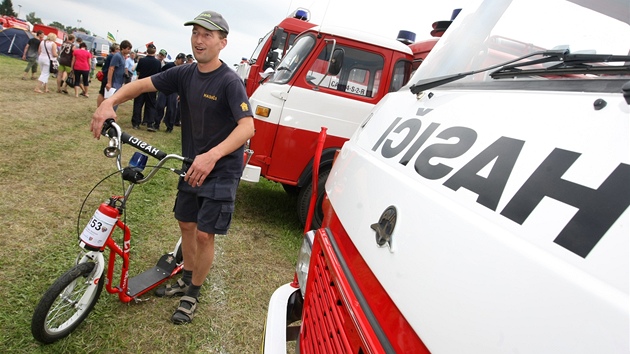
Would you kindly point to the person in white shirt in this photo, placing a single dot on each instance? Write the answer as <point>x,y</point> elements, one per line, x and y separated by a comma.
<point>129,64</point>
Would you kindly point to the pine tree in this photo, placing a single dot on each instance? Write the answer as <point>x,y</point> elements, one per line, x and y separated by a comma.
<point>6,8</point>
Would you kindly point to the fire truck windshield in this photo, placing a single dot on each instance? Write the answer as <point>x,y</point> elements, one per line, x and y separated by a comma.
<point>505,30</point>
<point>293,59</point>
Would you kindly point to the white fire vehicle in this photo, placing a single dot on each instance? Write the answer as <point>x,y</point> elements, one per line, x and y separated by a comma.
<point>482,208</point>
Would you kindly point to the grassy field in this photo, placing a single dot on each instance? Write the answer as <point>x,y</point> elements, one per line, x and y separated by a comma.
<point>48,165</point>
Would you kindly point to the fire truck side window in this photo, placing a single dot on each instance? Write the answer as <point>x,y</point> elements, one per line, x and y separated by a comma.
<point>360,74</point>
<point>402,73</point>
<point>259,48</point>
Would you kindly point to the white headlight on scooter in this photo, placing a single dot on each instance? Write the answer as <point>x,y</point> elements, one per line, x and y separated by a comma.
<point>304,259</point>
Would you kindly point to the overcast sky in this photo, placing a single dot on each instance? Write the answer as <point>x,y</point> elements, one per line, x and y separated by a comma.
<point>162,21</point>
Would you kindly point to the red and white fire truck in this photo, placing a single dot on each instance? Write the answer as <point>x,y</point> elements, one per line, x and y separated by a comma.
<point>61,34</point>
<point>483,207</point>
<point>331,77</point>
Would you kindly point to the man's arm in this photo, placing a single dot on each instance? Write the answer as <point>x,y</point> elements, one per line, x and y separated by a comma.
<point>126,93</point>
<point>25,50</point>
<point>204,163</point>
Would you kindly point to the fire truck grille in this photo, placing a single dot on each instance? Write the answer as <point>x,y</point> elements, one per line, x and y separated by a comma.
<point>325,317</point>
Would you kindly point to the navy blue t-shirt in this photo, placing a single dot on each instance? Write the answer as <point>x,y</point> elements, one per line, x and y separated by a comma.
<point>168,65</point>
<point>211,105</point>
<point>148,66</point>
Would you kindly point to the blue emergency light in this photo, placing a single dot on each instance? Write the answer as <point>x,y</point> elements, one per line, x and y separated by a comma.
<point>301,15</point>
<point>406,37</point>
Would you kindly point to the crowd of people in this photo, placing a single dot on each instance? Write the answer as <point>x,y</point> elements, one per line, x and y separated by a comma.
<point>150,109</point>
<point>71,59</point>
<point>121,66</point>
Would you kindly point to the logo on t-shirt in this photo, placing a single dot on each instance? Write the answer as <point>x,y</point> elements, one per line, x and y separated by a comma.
<point>244,107</point>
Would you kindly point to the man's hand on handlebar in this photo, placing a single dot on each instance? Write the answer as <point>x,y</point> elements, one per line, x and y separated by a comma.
<point>103,112</point>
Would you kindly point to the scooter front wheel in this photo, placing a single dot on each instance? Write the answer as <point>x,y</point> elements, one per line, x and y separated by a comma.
<point>67,303</point>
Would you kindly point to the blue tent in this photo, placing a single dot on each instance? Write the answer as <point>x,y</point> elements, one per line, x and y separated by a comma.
<point>13,40</point>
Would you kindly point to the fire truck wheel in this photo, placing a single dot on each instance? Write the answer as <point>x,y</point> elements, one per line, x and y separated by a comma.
<point>291,190</point>
<point>304,200</point>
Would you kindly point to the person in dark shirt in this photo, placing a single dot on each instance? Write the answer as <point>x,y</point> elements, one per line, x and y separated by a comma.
<point>31,53</point>
<point>217,121</point>
<point>65,63</point>
<point>146,67</point>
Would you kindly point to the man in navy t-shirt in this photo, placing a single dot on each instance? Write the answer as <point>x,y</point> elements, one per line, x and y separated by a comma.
<point>216,123</point>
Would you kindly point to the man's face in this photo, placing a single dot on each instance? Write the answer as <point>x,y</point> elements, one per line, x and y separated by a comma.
<point>126,51</point>
<point>206,45</point>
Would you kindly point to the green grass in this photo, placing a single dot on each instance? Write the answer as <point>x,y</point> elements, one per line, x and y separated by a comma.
<point>49,164</point>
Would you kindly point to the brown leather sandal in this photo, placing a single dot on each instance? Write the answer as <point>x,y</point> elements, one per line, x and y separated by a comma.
<point>186,310</point>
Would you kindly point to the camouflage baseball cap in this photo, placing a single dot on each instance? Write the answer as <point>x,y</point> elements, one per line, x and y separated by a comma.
<point>210,20</point>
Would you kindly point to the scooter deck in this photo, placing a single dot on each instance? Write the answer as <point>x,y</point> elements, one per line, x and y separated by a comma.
<point>153,276</point>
